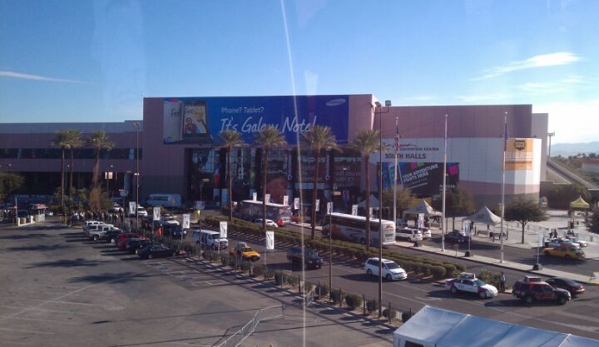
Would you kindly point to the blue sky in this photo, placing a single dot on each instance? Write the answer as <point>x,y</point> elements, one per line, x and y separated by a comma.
<point>80,60</point>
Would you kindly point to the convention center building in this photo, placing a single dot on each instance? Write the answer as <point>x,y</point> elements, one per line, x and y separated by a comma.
<point>176,148</point>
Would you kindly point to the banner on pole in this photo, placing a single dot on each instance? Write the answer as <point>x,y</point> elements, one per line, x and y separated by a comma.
<point>156,213</point>
<point>186,221</point>
<point>270,240</point>
<point>223,229</point>
<point>354,210</point>
<point>296,203</point>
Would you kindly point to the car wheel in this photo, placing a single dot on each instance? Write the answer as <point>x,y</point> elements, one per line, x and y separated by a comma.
<point>388,277</point>
<point>562,300</point>
<point>547,253</point>
<point>453,290</point>
<point>112,240</point>
<point>528,299</point>
<point>567,256</point>
<point>483,295</point>
<point>96,237</point>
<point>369,272</point>
<point>150,256</point>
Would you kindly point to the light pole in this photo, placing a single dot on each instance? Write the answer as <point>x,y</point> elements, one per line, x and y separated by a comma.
<point>443,227</point>
<point>137,125</point>
<point>550,135</point>
<point>379,106</point>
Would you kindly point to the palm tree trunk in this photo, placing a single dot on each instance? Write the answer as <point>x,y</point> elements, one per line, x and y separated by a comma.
<point>265,167</point>
<point>62,180</point>
<point>71,180</point>
<point>367,171</point>
<point>96,173</point>
<point>314,196</point>
<point>230,183</point>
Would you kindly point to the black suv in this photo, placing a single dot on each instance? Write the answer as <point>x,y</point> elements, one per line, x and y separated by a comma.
<point>310,256</point>
<point>531,291</point>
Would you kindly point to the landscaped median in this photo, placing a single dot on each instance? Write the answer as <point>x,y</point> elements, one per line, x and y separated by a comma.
<point>416,265</point>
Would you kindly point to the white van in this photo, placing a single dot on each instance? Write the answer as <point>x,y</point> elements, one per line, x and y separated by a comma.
<point>166,200</point>
<point>409,234</point>
<point>210,239</point>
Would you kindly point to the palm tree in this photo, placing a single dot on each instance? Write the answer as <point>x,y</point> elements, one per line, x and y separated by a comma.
<point>75,142</point>
<point>65,139</point>
<point>366,142</point>
<point>318,138</point>
<point>267,138</point>
<point>230,139</point>
<point>99,140</point>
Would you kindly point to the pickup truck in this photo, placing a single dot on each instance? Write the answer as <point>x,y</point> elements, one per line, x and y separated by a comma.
<point>244,252</point>
<point>99,231</point>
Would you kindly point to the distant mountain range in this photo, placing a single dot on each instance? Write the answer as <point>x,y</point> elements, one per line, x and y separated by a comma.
<point>568,149</point>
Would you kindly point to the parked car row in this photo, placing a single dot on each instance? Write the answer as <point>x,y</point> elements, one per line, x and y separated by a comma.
<point>132,243</point>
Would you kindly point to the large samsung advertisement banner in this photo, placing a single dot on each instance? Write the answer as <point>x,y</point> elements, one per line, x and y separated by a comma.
<point>199,120</point>
<point>519,154</point>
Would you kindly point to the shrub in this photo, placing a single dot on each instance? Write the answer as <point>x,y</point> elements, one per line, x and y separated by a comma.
<point>406,316</point>
<point>371,305</point>
<point>389,313</point>
<point>337,296</point>
<point>438,272</point>
<point>353,301</point>
<point>323,289</point>
<point>258,270</point>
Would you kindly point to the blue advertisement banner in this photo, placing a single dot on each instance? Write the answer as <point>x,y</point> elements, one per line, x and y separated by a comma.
<point>199,120</point>
<point>422,178</point>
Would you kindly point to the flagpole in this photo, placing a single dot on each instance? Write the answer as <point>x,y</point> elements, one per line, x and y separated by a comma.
<point>443,227</point>
<point>503,184</point>
<point>395,170</point>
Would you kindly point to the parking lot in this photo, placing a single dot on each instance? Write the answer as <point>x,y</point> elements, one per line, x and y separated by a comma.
<point>61,289</point>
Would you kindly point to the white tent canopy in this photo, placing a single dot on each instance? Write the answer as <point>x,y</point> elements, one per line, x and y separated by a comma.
<point>374,202</point>
<point>422,207</point>
<point>434,327</point>
<point>484,216</point>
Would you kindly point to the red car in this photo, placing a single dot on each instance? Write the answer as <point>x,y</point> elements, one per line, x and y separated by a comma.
<point>121,240</point>
<point>572,286</point>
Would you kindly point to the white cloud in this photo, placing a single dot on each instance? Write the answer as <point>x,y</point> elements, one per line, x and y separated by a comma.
<point>485,98</point>
<point>544,60</point>
<point>11,74</point>
<point>573,122</point>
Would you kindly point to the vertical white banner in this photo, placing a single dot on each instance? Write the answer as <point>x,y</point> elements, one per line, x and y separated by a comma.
<point>466,227</point>
<point>286,200</point>
<point>132,209</point>
<point>156,213</point>
<point>267,198</point>
<point>541,237</point>
<point>254,196</point>
<point>421,220</point>
<point>370,212</point>
<point>317,205</point>
<point>296,203</point>
<point>186,221</point>
<point>329,207</point>
<point>354,210</point>
<point>270,240</point>
<point>223,229</point>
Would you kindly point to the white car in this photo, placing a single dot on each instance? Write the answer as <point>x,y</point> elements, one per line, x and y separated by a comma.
<point>578,241</point>
<point>426,233</point>
<point>269,222</point>
<point>391,270</point>
<point>556,242</point>
<point>170,220</point>
<point>472,285</point>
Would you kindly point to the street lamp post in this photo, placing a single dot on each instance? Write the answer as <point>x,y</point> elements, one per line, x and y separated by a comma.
<point>137,126</point>
<point>379,106</point>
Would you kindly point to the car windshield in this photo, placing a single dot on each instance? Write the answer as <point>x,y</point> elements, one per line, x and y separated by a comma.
<point>392,265</point>
<point>479,283</point>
